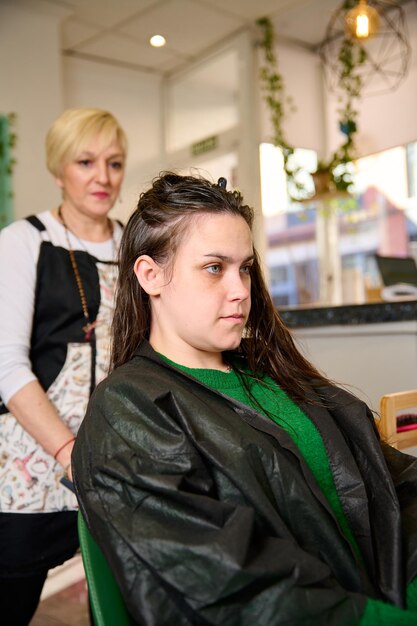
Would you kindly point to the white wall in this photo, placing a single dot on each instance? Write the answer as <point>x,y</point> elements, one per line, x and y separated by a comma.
<point>31,87</point>
<point>370,360</point>
<point>389,119</point>
<point>38,84</point>
<point>135,99</point>
<point>203,101</point>
<point>302,75</point>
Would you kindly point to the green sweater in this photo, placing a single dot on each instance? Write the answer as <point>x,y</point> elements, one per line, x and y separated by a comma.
<point>277,405</point>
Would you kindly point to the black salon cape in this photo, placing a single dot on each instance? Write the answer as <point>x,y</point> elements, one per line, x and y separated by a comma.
<point>208,514</point>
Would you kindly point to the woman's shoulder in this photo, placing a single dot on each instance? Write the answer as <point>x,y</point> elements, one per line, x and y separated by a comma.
<point>141,370</point>
<point>21,237</point>
<point>135,376</point>
<point>28,226</point>
<point>135,397</point>
<point>346,408</point>
<point>337,395</point>
<point>145,379</point>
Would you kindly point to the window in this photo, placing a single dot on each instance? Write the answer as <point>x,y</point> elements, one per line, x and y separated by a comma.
<point>411,149</point>
<point>380,216</point>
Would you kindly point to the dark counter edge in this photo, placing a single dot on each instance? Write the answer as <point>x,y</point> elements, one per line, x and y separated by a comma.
<point>372,313</point>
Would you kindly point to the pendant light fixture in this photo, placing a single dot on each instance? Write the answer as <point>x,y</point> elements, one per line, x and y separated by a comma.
<point>368,39</point>
<point>362,22</point>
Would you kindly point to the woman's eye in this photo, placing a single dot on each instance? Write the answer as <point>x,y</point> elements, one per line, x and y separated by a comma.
<point>116,165</point>
<point>213,269</point>
<point>246,269</point>
<point>85,162</point>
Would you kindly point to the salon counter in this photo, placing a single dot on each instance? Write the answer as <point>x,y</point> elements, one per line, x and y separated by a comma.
<point>371,349</point>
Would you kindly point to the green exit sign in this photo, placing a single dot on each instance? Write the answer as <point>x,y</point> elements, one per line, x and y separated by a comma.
<point>205,145</point>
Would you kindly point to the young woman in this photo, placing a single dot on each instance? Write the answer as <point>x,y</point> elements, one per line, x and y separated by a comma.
<point>57,275</point>
<point>225,479</point>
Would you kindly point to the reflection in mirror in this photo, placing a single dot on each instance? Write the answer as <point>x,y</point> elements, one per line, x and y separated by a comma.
<point>380,216</point>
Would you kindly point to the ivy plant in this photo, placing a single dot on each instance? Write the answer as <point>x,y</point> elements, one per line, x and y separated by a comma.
<point>279,105</point>
<point>7,143</point>
<point>351,57</point>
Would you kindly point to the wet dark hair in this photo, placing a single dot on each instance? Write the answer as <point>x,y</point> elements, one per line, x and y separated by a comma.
<point>156,228</point>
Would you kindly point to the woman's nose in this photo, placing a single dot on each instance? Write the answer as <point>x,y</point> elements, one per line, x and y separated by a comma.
<point>239,288</point>
<point>102,173</point>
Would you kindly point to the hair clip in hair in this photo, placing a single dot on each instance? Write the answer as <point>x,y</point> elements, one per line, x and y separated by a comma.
<point>222,182</point>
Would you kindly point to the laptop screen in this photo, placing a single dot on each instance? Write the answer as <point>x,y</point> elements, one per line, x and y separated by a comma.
<point>395,269</point>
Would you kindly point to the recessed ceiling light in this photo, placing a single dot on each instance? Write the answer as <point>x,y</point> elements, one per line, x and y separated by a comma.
<point>157,41</point>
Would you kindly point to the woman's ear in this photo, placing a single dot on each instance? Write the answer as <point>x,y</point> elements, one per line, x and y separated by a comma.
<point>150,275</point>
<point>59,182</point>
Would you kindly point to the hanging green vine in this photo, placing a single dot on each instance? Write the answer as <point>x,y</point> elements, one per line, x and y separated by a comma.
<point>8,141</point>
<point>352,56</point>
<point>279,105</point>
<point>339,167</point>
<point>7,162</point>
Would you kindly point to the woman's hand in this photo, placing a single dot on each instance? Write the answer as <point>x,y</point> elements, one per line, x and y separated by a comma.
<point>38,416</point>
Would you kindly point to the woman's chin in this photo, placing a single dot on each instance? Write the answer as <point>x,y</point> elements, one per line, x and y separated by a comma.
<point>232,345</point>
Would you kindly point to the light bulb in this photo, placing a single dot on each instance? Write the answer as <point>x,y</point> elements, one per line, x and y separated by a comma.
<point>362,21</point>
<point>157,41</point>
<point>362,26</point>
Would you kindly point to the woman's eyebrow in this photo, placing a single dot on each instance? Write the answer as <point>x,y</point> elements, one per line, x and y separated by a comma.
<point>227,259</point>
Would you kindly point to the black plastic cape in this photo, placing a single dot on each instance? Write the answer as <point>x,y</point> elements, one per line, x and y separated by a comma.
<point>208,513</point>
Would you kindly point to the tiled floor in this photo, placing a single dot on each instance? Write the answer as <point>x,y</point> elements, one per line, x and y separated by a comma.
<point>68,607</point>
<point>64,599</point>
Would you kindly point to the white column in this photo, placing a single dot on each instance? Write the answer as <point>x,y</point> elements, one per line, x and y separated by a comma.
<point>248,171</point>
<point>328,253</point>
<point>31,86</point>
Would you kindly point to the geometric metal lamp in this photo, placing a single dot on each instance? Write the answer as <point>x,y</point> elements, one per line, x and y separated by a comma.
<point>377,32</point>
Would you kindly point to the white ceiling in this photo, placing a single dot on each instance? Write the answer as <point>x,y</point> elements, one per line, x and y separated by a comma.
<point>118,31</point>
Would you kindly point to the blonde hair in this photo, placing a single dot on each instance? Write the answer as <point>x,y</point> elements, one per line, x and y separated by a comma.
<point>74,129</point>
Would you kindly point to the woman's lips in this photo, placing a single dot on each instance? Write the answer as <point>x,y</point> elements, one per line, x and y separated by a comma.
<point>101,195</point>
<point>234,318</point>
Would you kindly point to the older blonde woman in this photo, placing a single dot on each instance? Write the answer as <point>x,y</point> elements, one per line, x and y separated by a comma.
<point>57,274</point>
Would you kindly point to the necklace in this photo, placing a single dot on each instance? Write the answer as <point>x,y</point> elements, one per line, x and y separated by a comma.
<point>89,326</point>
